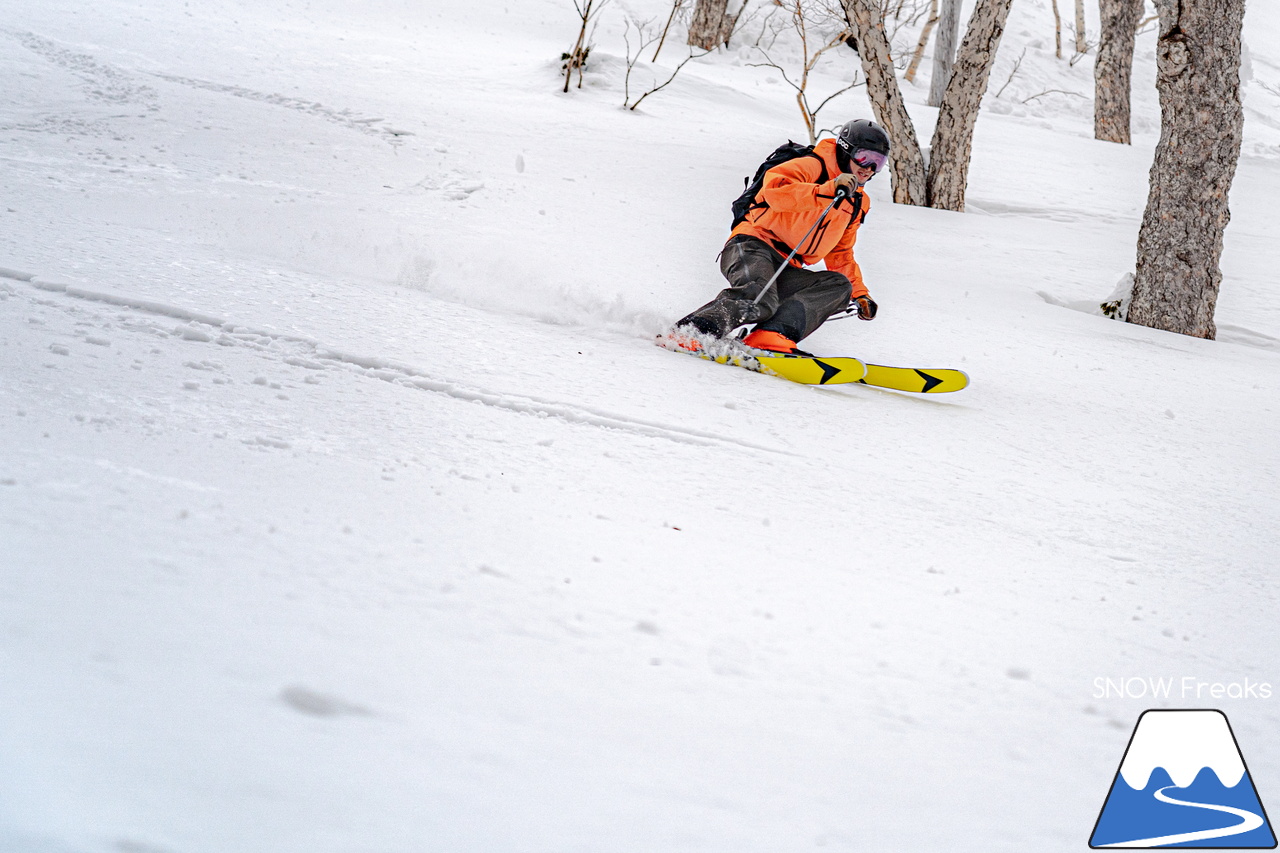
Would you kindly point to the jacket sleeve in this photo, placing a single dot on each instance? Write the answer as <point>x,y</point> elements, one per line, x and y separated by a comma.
<point>841,259</point>
<point>790,186</point>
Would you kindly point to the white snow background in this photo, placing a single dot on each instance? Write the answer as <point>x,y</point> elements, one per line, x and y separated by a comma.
<point>346,505</point>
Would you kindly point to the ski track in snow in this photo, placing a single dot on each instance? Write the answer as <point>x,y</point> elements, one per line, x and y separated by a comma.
<point>103,82</point>
<point>106,82</point>
<point>313,355</point>
<point>345,118</point>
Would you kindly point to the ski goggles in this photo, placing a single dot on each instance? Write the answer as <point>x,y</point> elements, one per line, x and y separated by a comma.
<point>868,159</point>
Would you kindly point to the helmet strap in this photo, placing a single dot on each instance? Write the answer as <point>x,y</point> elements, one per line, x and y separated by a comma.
<point>843,160</point>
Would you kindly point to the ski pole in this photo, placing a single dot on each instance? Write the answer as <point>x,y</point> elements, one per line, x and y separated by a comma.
<point>841,195</point>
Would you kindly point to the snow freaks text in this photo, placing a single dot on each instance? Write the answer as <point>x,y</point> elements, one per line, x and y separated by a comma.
<point>1186,687</point>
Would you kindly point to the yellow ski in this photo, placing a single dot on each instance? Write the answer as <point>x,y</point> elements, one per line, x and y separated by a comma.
<point>834,370</point>
<point>814,370</point>
<point>920,380</point>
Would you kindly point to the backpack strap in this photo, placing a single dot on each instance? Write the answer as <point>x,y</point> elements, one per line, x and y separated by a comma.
<point>822,164</point>
<point>756,204</point>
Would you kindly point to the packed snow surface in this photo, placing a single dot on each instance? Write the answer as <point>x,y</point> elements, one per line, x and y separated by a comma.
<point>346,505</point>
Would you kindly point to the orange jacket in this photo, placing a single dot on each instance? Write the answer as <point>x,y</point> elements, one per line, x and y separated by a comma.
<point>795,199</point>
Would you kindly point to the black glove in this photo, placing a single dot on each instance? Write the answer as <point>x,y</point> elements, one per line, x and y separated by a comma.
<point>866,307</point>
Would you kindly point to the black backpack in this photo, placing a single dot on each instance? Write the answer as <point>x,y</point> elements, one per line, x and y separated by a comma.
<point>746,202</point>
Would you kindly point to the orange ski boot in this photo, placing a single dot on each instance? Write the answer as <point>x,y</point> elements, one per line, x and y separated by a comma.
<point>771,341</point>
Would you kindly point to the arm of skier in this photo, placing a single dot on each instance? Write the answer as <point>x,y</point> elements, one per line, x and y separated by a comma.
<point>790,187</point>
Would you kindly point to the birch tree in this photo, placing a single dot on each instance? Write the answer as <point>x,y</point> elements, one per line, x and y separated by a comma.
<point>952,144</point>
<point>1057,30</point>
<point>1177,278</point>
<point>944,50</point>
<point>1113,71</point>
<point>944,182</point>
<point>1082,43</point>
<point>712,25</point>
<point>906,164</point>
<point>925,32</point>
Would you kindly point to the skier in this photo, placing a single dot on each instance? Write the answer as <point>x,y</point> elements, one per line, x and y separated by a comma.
<point>784,216</point>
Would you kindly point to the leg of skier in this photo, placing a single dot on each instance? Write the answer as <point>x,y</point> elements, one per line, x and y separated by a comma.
<point>806,299</point>
<point>748,264</point>
<point>793,308</point>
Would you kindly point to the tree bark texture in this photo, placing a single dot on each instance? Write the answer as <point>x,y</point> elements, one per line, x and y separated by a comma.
<point>1082,42</point>
<point>953,136</point>
<point>1057,30</point>
<point>944,51</point>
<point>906,163</point>
<point>1177,278</point>
<point>1113,72</point>
<point>706,29</point>
<point>925,32</point>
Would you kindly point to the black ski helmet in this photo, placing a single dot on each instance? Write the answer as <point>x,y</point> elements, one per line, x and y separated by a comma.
<point>859,134</point>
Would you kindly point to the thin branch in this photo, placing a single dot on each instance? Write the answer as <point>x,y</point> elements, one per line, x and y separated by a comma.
<point>1052,92</point>
<point>1016,65</point>
<point>919,13</point>
<point>807,18</point>
<point>776,67</point>
<point>1081,55</point>
<point>645,40</point>
<point>675,7</point>
<point>669,79</point>
<point>932,22</point>
<point>855,84</point>
<point>895,22</point>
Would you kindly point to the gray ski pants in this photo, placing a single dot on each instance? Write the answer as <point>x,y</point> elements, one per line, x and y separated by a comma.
<point>798,303</point>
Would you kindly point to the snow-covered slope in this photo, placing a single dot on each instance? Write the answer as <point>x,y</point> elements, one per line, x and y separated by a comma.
<point>346,505</point>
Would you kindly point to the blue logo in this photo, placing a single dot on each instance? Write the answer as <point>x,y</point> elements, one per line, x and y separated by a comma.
<point>1183,783</point>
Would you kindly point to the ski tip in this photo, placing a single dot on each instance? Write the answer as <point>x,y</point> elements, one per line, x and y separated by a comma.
<point>917,380</point>
<point>943,381</point>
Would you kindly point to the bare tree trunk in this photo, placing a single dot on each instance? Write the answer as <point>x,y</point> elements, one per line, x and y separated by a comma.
<point>730,23</point>
<point>1082,43</point>
<point>929,24</point>
<point>1057,30</point>
<point>944,184</point>
<point>1113,72</point>
<point>706,28</point>
<point>906,162</point>
<point>944,51</point>
<point>953,136</point>
<point>1176,283</point>
<point>577,58</point>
